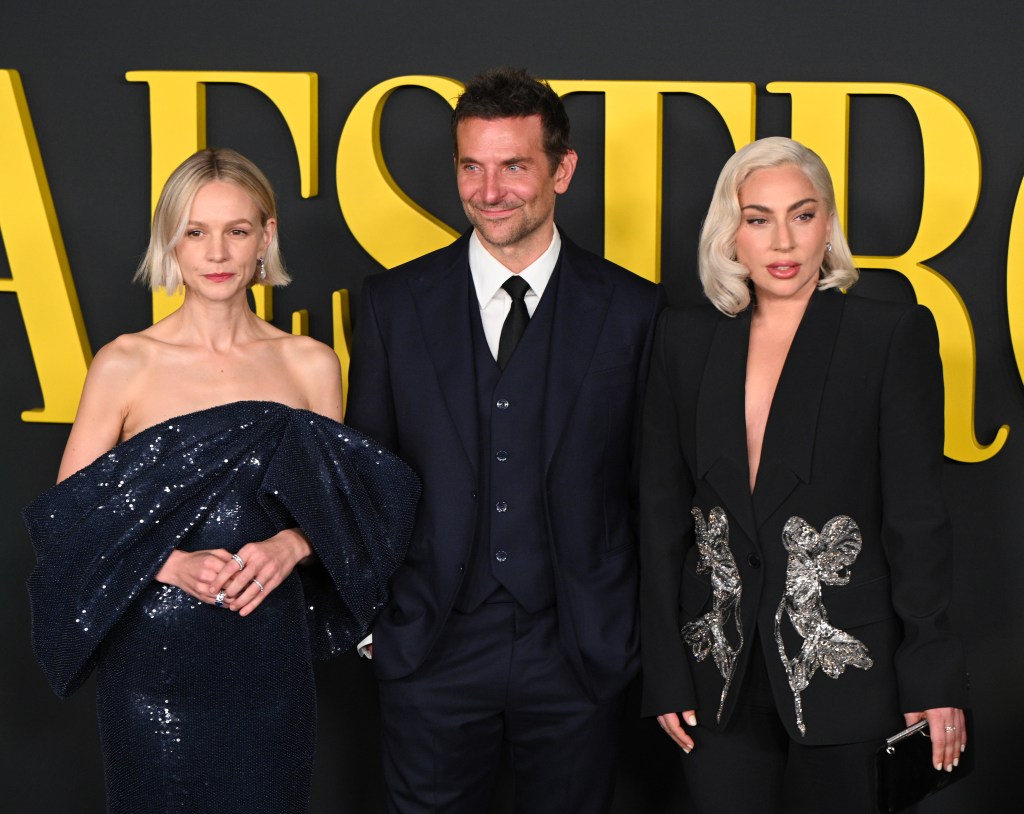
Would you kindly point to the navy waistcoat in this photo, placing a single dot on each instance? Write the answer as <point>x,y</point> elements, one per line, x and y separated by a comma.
<point>511,548</point>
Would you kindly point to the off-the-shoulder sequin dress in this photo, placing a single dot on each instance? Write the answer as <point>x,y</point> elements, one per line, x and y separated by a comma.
<point>201,710</point>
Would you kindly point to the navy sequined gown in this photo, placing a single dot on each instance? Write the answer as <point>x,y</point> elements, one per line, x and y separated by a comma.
<point>201,710</point>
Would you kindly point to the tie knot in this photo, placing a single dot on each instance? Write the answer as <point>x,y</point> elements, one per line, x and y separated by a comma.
<point>516,287</point>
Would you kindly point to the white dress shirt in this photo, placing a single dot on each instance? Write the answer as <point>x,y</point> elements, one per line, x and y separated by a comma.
<point>488,274</point>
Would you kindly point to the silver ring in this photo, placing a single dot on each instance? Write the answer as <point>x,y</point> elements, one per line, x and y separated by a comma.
<point>219,601</point>
<point>240,561</point>
<point>951,729</point>
<point>258,584</point>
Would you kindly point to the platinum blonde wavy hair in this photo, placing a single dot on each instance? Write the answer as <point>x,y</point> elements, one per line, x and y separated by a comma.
<point>159,267</point>
<point>726,281</point>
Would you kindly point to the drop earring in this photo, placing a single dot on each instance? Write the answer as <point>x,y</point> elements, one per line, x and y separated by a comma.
<point>263,270</point>
<point>828,247</point>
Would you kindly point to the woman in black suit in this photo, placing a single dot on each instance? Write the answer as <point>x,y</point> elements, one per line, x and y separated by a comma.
<point>796,553</point>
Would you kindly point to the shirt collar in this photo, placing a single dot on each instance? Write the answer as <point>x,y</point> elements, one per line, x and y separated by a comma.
<point>488,272</point>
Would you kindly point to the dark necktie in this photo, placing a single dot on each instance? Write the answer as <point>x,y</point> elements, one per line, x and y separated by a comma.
<point>516,321</point>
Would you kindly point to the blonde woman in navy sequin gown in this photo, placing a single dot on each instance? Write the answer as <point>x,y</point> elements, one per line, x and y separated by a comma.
<point>214,527</point>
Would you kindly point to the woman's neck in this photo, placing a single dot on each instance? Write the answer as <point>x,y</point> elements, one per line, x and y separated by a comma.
<point>216,325</point>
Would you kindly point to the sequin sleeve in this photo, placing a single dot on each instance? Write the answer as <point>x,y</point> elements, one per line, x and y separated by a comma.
<point>356,505</point>
<point>89,569</point>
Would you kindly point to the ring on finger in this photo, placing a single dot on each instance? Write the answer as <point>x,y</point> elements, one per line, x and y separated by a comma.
<point>219,601</point>
<point>258,584</point>
<point>239,561</point>
<point>950,729</point>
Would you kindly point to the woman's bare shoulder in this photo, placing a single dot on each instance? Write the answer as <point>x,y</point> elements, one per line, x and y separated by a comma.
<point>307,350</point>
<point>125,355</point>
<point>111,389</point>
<point>317,369</point>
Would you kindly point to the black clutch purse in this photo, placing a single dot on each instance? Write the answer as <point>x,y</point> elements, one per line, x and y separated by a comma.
<point>904,770</point>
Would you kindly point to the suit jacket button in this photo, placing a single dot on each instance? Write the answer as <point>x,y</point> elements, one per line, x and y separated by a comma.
<point>501,556</point>
<point>502,404</point>
<point>754,561</point>
<point>501,506</point>
<point>502,455</point>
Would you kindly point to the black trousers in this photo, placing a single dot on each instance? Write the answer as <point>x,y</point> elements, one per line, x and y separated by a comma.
<point>497,674</point>
<point>754,766</point>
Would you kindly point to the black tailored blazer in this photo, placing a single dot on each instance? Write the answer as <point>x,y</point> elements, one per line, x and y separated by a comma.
<point>412,387</point>
<point>840,560</point>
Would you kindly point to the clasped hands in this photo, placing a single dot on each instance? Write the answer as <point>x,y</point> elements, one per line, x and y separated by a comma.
<point>206,574</point>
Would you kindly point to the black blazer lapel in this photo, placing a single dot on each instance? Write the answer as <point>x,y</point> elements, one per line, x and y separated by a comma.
<point>721,421</point>
<point>584,296</point>
<point>788,449</point>
<point>442,298</point>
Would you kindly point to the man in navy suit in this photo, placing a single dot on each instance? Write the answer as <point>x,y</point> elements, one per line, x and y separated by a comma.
<point>508,370</point>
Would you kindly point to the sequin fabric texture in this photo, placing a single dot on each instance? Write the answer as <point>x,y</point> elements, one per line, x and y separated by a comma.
<point>708,634</point>
<point>815,560</point>
<point>201,710</point>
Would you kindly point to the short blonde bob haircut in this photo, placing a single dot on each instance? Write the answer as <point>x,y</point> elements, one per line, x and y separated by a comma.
<point>726,281</point>
<point>159,268</point>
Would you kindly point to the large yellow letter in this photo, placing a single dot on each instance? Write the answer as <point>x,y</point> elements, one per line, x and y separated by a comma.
<point>40,274</point>
<point>177,103</point>
<point>1015,282</point>
<point>385,221</point>
<point>952,182</point>
<point>632,160</point>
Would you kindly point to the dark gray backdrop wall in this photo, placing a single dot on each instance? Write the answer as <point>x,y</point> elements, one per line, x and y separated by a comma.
<point>93,132</point>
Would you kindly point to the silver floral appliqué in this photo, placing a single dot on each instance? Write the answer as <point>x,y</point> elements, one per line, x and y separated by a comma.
<point>708,633</point>
<point>815,560</point>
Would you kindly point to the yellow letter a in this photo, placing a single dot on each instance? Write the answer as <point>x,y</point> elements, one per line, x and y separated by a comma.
<point>40,274</point>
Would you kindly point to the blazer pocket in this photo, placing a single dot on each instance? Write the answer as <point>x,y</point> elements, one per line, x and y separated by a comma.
<point>611,359</point>
<point>615,369</point>
<point>616,550</point>
<point>851,606</point>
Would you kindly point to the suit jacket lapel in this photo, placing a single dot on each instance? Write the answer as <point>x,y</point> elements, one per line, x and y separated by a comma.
<point>442,301</point>
<point>788,449</point>
<point>721,421</point>
<point>583,298</point>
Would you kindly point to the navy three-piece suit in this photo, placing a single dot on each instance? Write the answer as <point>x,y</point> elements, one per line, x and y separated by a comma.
<point>528,514</point>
